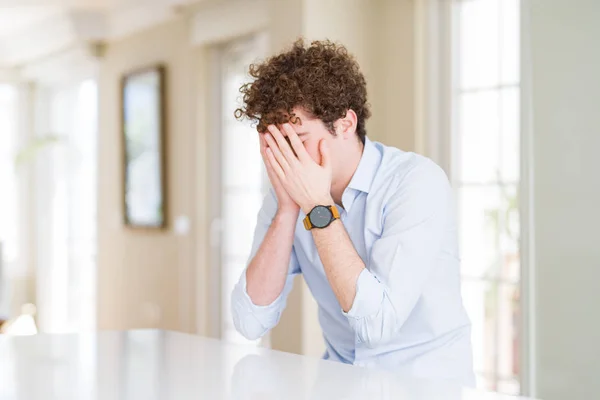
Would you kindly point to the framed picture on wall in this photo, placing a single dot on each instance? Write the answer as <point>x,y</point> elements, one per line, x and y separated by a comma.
<point>143,131</point>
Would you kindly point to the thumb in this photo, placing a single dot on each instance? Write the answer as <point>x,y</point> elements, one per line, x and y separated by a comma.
<point>325,158</point>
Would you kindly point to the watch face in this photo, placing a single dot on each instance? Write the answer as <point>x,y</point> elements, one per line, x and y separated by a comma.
<point>320,216</point>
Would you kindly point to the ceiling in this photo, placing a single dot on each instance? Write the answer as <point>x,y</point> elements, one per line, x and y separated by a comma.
<point>83,4</point>
<point>17,19</point>
<point>31,28</point>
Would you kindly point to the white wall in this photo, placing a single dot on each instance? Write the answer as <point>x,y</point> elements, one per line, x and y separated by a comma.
<point>146,278</point>
<point>565,90</point>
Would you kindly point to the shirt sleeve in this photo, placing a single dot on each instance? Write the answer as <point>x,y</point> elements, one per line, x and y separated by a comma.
<point>249,319</point>
<point>404,257</point>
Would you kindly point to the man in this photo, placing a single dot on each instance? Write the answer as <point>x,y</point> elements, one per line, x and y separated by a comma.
<point>371,228</point>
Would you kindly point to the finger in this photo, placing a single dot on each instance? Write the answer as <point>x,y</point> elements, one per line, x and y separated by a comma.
<point>325,156</point>
<point>270,171</point>
<point>283,145</point>
<point>263,153</point>
<point>281,159</point>
<point>263,143</point>
<point>296,143</point>
<point>274,164</point>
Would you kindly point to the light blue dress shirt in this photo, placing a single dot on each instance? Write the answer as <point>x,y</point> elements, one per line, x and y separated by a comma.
<point>407,315</point>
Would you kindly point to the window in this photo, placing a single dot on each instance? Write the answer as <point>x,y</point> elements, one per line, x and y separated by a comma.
<point>485,172</point>
<point>9,212</point>
<point>66,207</point>
<point>241,177</point>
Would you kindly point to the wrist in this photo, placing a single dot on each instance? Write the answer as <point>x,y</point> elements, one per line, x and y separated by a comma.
<point>324,201</point>
<point>287,214</point>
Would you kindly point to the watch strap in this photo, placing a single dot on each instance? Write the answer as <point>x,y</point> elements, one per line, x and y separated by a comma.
<point>307,225</point>
<point>335,212</point>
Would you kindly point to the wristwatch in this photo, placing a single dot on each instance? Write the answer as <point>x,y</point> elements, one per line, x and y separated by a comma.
<point>321,217</point>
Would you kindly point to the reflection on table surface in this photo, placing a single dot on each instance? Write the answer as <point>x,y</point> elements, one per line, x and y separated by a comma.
<point>152,365</point>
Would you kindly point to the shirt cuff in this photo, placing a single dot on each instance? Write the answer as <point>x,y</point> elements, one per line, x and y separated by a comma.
<point>368,298</point>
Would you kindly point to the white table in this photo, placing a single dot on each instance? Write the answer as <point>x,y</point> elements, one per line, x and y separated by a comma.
<point>152,365</point>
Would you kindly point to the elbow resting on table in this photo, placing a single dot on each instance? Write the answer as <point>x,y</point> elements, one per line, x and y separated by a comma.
<point>249,320</point>
<point>375,334</point>
<point>247,325</point>
<point>249,334</point>
<point>379,327</point>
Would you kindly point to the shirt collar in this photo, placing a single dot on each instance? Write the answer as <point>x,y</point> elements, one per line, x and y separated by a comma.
<point>367,167</point>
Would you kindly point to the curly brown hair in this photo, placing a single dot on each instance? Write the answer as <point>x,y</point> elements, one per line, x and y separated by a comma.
<point>323,78</point>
